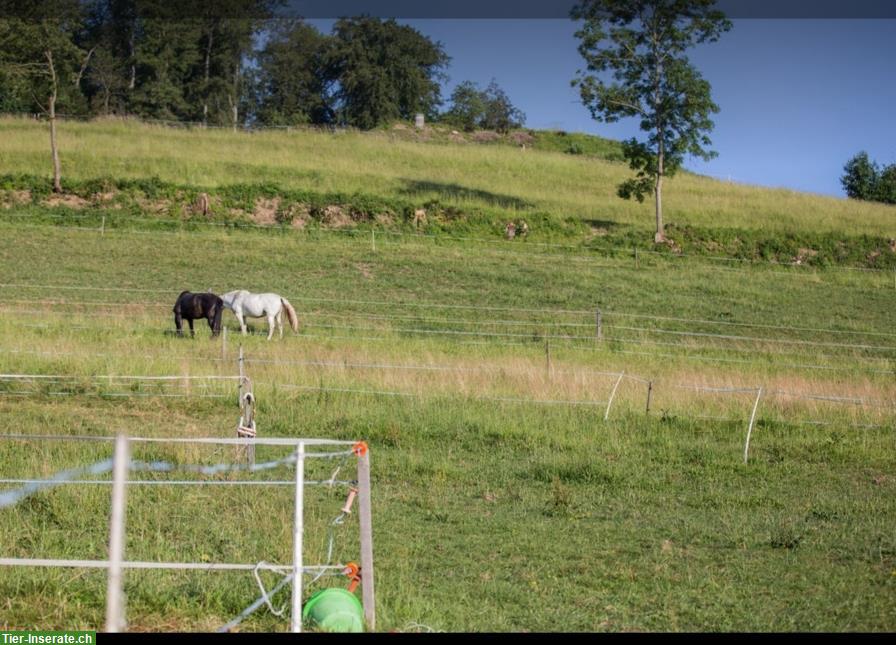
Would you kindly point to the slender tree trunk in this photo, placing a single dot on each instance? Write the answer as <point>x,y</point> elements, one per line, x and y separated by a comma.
<point>235,98</point>
<point>133,81</point>
<point>208,58</point>
<point>660,235</point>
<point>51,111</point>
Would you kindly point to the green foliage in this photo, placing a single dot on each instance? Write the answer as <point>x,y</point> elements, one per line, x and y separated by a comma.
<point>39,56</point>
<point>488,109</point>
<point>643,45</point>
<point>864,179</point>
<point>292,82</point>
<point>385,71</point>
<point>467,107</point>
<point>886,185</point>
<point>860,177</point>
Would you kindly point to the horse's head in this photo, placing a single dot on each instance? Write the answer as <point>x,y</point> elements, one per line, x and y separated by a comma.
<point>228,298</point>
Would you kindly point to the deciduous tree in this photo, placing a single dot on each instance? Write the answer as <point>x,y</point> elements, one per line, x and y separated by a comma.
<point>642,45</point>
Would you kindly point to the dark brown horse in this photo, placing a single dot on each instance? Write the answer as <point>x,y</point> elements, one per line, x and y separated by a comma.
<point>192,306</point>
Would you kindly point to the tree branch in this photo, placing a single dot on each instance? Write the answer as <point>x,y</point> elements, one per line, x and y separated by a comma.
<point>630,106</point>
<point>84,66</point>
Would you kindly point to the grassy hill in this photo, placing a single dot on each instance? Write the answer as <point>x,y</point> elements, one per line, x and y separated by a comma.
<point>463,183</point>
<point>508,494</point>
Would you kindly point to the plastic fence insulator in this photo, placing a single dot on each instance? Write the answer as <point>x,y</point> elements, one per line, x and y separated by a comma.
<point>353,572</point>
<point>352,492</point>
<point>360,448</point>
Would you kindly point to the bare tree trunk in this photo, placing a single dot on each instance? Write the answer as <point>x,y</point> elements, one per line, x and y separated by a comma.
<point>51,111</point>
<point>235,97</point>
<point>660,235</point>
<point>133,82</point>
<point>208,57</point>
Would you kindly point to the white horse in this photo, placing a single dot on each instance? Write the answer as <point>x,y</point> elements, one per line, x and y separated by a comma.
<point>260,305</point>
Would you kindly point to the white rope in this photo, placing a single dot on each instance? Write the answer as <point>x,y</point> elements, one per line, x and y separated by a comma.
<point>9,498</point>
<point>255,605</point>
<point>10,377</point>
<point>190,482</point>
<point>264,593</point>
<point>315,388</point>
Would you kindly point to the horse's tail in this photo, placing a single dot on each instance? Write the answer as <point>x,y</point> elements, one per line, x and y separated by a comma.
<point>291,314</point>
<point>219,312</point>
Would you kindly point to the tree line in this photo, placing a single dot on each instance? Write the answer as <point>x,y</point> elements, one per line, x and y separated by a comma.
<point>226,63</point>
<point>865,179</point>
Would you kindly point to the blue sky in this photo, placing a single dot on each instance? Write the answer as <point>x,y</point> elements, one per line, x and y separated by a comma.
<point>798,98</point>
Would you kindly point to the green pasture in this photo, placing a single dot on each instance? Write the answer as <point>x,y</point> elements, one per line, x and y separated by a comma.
<point>507,494</point>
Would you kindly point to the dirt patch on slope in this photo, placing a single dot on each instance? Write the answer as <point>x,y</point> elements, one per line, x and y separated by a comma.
<point>265,211</point>
<point>69,201</point>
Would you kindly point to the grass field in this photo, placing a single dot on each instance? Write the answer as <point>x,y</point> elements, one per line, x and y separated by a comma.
<point>503,500</point>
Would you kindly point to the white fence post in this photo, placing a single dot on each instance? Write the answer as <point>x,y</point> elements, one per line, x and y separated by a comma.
<point>750,427</point>
<point>298,528</point>
<point>114,592</point>
<point>366,527</point>
<point>613,395</point>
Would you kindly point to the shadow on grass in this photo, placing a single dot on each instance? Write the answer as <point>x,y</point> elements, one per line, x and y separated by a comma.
<point>457,192</point>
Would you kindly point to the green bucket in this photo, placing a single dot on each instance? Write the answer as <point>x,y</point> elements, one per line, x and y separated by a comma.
<point>334,610</point>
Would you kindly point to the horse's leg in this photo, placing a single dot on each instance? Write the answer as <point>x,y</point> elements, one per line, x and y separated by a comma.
<point>192,333</point>
<point>239,316</point>
<point>271,323</point>
<point>211,325</point>
<point>179,323</point>
<point>280,322</point>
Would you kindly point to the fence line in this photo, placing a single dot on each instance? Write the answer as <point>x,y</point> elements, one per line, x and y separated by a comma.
<point>433,305</point>
<point>316,388</point>
<point>537,337</point>
<point>534,323</point>
<point>176,357</point>
<point>578,348</point>
<point>493,242</point>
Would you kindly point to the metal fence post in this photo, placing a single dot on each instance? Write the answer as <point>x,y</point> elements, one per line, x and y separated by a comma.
<point>114,593</point>
<point>298,528</point>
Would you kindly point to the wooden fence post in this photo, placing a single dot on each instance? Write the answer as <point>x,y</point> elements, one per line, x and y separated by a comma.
<point>366,525</point>
<point>649,392</point>
<point>598,324</point>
